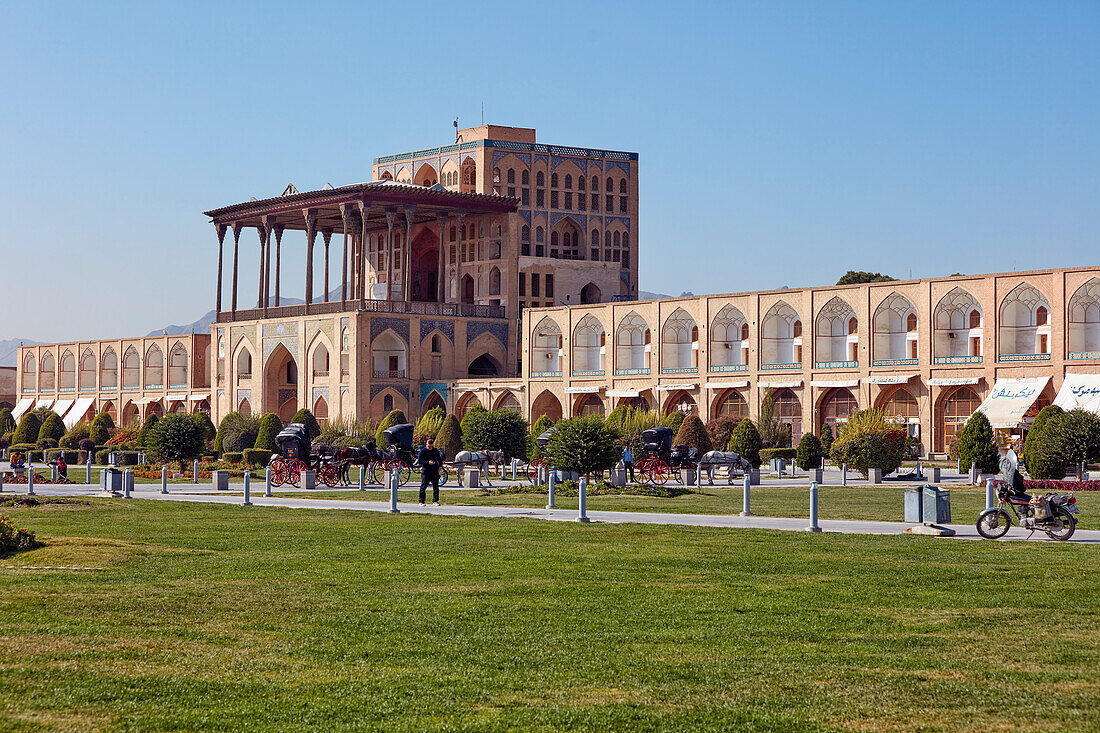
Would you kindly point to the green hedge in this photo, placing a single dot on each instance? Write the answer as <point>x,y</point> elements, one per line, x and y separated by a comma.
<point>72,457</point>
<point>128,458</point>
<point>767,454</point>
<point>101,456</point>
<point>233,457</point>
<point>257,456</point>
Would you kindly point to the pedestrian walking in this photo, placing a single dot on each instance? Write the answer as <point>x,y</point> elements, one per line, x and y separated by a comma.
<point>429,459</point>
<point>628,463</point>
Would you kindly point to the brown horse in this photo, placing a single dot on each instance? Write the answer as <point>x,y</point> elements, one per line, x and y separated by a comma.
<point>362,457</point>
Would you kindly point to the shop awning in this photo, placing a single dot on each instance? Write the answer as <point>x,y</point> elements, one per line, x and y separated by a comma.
<point>888,378</point>
<point>22,406</point>
<point>623,392</point>
<point>78,410</point>
<point>199,397</point>
<point>147,400</point>
<point>781,384</point>
<point>1010,399</point>
<point>1079,391</point>
<point>176,398</point>
<point>593,389</point>
<point>43,403</point>
<point>727,385</point>
<point>61,407</point>
<point>952,381</point>
<point>673,387</point>
<point>834,383</point>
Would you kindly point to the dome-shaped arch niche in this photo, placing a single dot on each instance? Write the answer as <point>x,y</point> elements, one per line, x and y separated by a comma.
<point>895,330</point>
<point>48,372</point>
<point>131,370</point>
<point>957,328</point>
<point>836,334</point>
<point>177,365</point>
<point>88,367</point>
<point>67,372</point>
<point>632,345</point>
<point>1084,321</point>
<point>108,369</point>
<point>30,372</point>
<point>320,357</point>
<point>781,336</point>
<point>679,343</point>
<point>588,347</point>
<point>729,340</point>
<point>154,368</point>
<point>1024,325</point>
<point>388,356</point>
<point>281,384</point>
<point>546,344</point>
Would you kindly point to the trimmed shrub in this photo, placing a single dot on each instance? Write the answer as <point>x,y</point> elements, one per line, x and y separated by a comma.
<point>503,430</point>
<point>241,433</point>
<point>720,430</point>
<point>306,417</point>
<point>976,445</point>
<point>746,441</point>
<point>101,456</point>
<point>128,458</point>
<point>827,440</point>
<point>227,422</point>
<point>787,454</point>
<point>673,420</point>
<point>471,424</point>
<point>144,434</point>
<point>209,432</point>
<point>869,440</point>
<point>177,438</point>
<point>1079,436</point>
<point>257,456</point>
<point>27,432</point>
<point>449,437</point>
<point>809,452</point>
<point>429,424</point>
<point>14,538</point>
<point>396,417</point>
<point>233,456</point>
<point>1034,435</point>
<point>76,433</point>
<point>583,445</point>
<point>270,425</point>
<point>473,414</point>
<point>534,451</point>
<point>100,430</point>
<point>86,445</point>
<point>46,443</point>
<point>7,422</point>
<point>70,456</point>
<point>693,433</point>
<point>52,428</point>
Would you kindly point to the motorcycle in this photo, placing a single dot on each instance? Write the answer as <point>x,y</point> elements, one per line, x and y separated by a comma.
<point>1055,514</point>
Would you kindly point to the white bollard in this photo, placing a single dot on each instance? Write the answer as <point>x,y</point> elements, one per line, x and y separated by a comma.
<point>974,473</point>
<point>88,469</point>
<point>699,476</point>
<point>30,479</point>
<point>745,512</point>
<point>990,495</point>
<point>53,474</point>
<point>267,481</point>
<point>843,474</point>
<point>550,499</point>
<point>395,481</point>
<point>1,482</point>
<point>813,509</point>
<point>126,484</point>
<point>164,479</point>
<point>196,470</point>
<point>582,500</point>
<point>361,473</point>
<point>515,462</point>
<point>247,489</point>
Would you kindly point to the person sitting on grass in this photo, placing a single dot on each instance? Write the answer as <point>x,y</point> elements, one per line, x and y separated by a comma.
<point>429,459</point>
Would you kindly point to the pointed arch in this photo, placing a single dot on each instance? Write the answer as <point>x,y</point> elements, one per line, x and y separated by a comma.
<point>131,369</point>
<point>546,345</point>
<point>47,374</point>
<point>30,372</point>
<point>389,356</point>
<point>957,328</point>
<point>154,368</point>
<point>588,347</point>
<point>894,326</point>
<point>591,293</point>
<point>465,404</point>
<point>681,401</point>
<point>1024,322</point>
<point>177,365</point>
<point>631,345</point>
<point>679,342</point>
<point>781,335</point>
<point>88,369</point>
<point>280,384</point>
<point>730,403</point>
<point>546,404</point>
<point>108,369</point>
<point>1084,320</point>
<point>426,176</point>
<point>67,371</point>
<point>244,407</point>
<point>833,331</point>
<point>494,281</point>
<point>320,409</point>
<point>727,347</point>
<point>484,365</point>
<point>508,401</point>
<point>320,350</point>
<point>112,412</point>
<point>433,400</point>
<point>130,414</point>
<point>243,363</point>
<point>588,404</point>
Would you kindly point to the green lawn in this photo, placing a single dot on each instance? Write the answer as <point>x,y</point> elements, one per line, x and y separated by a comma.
<point>212,617</point>
<point>885,503</point>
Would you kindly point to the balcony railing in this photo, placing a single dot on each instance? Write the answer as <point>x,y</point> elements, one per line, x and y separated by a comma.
<point>836,364</point>
<point>318,373</point>
<point>241,376</point>
<point>469,310</point>
<point>545,375</point>
<point>893,362</point>
<point>730,368</point>
<point>631,372</point>
<point>957,360</point>
<point>1024,357</point>
<point>1081,355</point>
<point>680,370</point>
<point>785,365</point>
<point>587,373</point>
<point>388,374</point>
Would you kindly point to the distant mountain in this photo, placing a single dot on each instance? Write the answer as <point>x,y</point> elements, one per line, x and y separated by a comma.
<point>9,350</point>
<point>646,295</point>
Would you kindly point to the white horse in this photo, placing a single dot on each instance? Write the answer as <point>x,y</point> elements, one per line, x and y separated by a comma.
<point>481,460</point>
<point>728,459</point>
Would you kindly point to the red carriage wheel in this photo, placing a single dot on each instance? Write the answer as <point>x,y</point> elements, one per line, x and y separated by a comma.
<point>327,475</point>
<point>659,472</point>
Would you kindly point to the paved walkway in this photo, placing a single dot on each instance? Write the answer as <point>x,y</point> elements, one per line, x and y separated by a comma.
<point>202,495</point>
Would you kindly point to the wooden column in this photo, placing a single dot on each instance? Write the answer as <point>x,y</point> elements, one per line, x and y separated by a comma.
<point>391,213</point>
<point>406,255</point>
<point>278,260</point>
<point>218,298</point>
<point>326,235</point>
<point>364,251</point>
<point>311,237</point>
<point>236,250</point>
<point>262,230</point>
<point>345,213</point>
<point>460,217</point>
<point>440,275</point>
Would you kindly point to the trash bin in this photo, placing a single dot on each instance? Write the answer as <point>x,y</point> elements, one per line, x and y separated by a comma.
<point>110,479</point>
<point>937,505</point>
<point>914,509</point>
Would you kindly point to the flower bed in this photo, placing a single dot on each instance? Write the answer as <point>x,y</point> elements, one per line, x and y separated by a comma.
<point>14,538</point>
<point>1041,486</point>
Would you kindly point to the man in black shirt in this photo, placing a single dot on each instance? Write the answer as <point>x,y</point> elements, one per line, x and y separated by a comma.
<point>429,459</point>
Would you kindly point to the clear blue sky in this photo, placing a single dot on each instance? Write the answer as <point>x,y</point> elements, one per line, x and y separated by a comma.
<point>781,143</point>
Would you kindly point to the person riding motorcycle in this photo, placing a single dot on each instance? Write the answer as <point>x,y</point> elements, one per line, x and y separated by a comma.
<point>1010,473</point>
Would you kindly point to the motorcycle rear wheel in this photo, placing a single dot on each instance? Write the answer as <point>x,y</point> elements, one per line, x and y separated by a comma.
<point>1069,525</point>
<point>992,525</point>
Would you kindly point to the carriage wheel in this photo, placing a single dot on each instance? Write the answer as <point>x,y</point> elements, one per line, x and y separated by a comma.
<point>444,476</point>
<point>327,475</point>
<point>404,473</point>
<point>294,471</point>
<point>278,475</point>
<point>533,471</point>
<point>378,473</point>
<point>659,473</point>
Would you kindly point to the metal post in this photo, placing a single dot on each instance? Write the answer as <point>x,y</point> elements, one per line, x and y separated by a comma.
<point>699,476</point>
<point>990,495</point>
<point>88,469</point>
<point>843,474</point>
<point>196,468</point>
<point>582,505</point>
<point>974,472</point>
<point>30,479</point>
<point>53,473</point>
<point>745,512</point>
<point>126,484</point>
<point>394,482</point>
<point>164,479</point>
<point>813,509</point>
<point>267,481</point>
<point>553,485</point>
<point>1,482</point>
<point>361,472</point>
<point>247,488</point>
<point>514,462</point>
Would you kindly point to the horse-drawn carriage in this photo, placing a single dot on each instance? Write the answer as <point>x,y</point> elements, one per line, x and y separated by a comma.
<point>401,457</point>
<point>297,454</point>
<point>655,466</point>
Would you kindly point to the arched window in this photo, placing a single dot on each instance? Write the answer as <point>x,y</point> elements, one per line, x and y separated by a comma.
<point>525,177</point>
<point>177,366</point>
<point>901,405</point>
<point>545,346</point>
<point>957,409</point>
<point>615,238</point>
<point>87,370</point>
<point>511,175</point>
<point>788,411</point>
<point>525,233</point>
<point>678,337</point>
<point>496,175</point>
<point>320,410</point>
<point>630,342</point>
<point>725,338</point>
<point>779,333</point>
<point>387,403</point>
<point>954,319</point>
<point>853,325</point>
<point>796,329</point>
<point>509,402</point>
<point>590,404</point>
<point>154,367</point>
<point>29,373</point>
<point>1084,319</point>
<point>320,362</point>
<point>1024,323</point>
<point>494,281</point>
<point>911,323</point>
<point>733,405</point>
<point>588,341</point>
<point>48,377</point>
<point>975,319</point>
<point>607,239</point>
<point>594,238</point>
<point>131,369</point>
<point>540,235</point>
<point>67,369</point>
<point>568,181</point>
<point>831,332</point>
<point>610,185</point>
<point>244,364</point>
<point>581,182</point>
<point>553,180</point>
<point>744,332</point>
<point>437,344</point>
<point>837,407</point>
<point>388,356</point>
<point>540,179</point>
<point>595,185</point>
